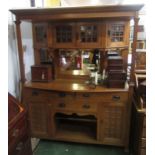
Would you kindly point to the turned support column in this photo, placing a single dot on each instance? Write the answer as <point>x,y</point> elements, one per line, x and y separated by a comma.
<point>134,46</point>
<point>131,85</point>
<point>21,56</point>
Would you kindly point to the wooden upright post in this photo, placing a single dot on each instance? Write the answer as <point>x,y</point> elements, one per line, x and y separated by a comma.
<point>131,84</point>
<point>134,46</point>
<point>20,55</point>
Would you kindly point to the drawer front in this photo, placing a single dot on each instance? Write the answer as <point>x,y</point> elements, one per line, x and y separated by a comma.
<point>114,97</point>
<point>64,105</point>
<point>87,106</point>
<point>72,102</point>
<point>104,97</point>
<point>37,95</point>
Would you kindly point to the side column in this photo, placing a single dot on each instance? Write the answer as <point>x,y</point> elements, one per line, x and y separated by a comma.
<point>21,57</point>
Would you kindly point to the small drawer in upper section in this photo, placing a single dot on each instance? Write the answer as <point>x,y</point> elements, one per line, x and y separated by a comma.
<point>104,97</point>
<point>114,97</point>
<point>36,95</point>
<point>75,106</point>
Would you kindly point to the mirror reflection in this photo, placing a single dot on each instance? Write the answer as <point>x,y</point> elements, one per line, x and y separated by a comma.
<point>79,59</point>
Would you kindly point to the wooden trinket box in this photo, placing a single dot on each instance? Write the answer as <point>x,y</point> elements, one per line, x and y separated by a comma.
<point>112,53</point>
<point>115,67</point>
<point>117,75</point>
<point>116,83</point>
<point>41,73</point>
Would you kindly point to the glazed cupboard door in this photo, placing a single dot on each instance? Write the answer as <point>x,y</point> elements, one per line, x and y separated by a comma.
<point>38,118</point>
<point>117,34</point>
<point>112,123</point>
<point>88,35</point>
<point>42,35</point>
<point>64,35</point>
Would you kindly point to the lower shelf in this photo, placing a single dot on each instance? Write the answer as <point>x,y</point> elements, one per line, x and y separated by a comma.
<point>75,133</point>
<point>76,128</point>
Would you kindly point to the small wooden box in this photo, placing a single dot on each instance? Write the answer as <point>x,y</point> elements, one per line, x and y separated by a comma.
<point>115,67</point>
<point>117,75</point>
<point>116,83</point>
<point>115,60</point>
<point>41,73</point>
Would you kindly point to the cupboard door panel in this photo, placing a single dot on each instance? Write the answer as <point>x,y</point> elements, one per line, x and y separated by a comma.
<point>40,34</point>
<point>117,34</point>
<point>89,34</point>
<point>112,123</point>
<point>64,35</point>
<point>38,119</point>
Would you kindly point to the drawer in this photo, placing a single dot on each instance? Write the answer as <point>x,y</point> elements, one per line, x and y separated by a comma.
<point>64,105</point>
<point>88,97</point>
<point>104,97</point>
<point>61,96</point>
<point>36,95</point>
<point>75,105</point>
<point>114,97</point>
<point>87,106</point>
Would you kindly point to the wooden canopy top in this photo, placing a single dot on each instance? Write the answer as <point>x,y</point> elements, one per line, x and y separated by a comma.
<point>77,12</point>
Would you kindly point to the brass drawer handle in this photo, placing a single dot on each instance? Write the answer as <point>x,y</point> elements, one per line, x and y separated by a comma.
<point>86,106</point>
<point>35,93</point>
<point>116,98</point>
<point>62,94</point>
<point>62,105</point>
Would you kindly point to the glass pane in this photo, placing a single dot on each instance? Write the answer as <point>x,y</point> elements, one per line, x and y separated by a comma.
<point>64,34</point>
<point>117,32</point>
<point>40,33</point>
<point>88,33</point>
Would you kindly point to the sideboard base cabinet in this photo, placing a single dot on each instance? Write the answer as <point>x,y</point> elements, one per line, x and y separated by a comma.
<point>86,117</point>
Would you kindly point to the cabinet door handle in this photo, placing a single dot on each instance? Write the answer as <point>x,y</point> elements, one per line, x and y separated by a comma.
<point>62,105</point>
<point>116,98</point>
<point>35,93</point>
<point>86,106</point>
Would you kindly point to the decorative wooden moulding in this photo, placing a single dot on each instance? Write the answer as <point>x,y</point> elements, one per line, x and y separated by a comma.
<point>41,73</point>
